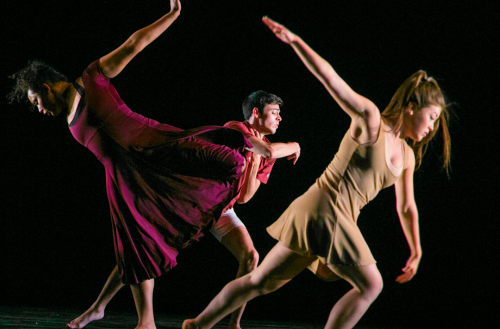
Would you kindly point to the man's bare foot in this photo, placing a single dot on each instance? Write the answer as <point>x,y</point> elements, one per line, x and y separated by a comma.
<point>189,324</point>
<point>233,326</point>
<point>89,316</point>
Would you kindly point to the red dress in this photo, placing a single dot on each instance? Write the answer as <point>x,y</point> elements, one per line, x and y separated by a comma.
<point>165,185</point>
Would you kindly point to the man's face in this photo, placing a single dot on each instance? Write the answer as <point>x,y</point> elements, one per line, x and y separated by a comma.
<point>270,119</point>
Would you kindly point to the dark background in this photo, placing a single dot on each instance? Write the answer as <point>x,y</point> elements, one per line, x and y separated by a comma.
<point>55,236</point>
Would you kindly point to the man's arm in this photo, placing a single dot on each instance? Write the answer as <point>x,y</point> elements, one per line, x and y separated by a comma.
<point>251,184</point>
<point>275,150</point>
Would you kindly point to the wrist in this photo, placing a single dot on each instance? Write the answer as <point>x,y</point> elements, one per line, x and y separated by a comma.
<point>416,253</point>
<point>295,39</point>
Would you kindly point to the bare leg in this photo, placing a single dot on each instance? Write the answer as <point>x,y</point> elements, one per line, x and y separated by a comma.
<point>240,244</point>
<point>143,297</point>
<point>96,311</point>
<point>278,268</point>
<point>367,285</point>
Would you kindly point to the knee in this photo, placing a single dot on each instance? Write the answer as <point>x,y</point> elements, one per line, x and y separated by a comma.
<point>264,285</point>
<point>373,288</point>
<point>249,260</point>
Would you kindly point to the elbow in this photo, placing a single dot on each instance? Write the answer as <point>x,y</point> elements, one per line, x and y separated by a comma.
<point>137,42</point>
<point>271,152</point>
<point>407,210</point>
<point>242,199</point>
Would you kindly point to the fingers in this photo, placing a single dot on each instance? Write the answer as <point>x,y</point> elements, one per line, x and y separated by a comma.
<point>297,155</point>
<point>293,157</point>
<point>406,276</point>
<point>266,20</point>
<point>272,25</point>
<point>175,5</point>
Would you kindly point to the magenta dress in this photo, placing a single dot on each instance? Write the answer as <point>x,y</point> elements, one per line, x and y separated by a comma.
<point>165,185</point>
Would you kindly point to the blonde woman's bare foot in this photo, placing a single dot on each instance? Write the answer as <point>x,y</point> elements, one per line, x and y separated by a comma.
<point>89,316</point>
<point>189,324</point>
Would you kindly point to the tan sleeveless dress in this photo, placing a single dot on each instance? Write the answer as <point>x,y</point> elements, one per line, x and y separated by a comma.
<point>322,222</point>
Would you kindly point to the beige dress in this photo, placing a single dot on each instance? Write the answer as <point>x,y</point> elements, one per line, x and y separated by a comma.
<point>322,222</point>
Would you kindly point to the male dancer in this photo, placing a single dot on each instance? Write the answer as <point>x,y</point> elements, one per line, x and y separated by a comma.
<point>262,117</point>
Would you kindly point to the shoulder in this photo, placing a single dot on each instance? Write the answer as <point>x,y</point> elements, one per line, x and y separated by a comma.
<point>94,71</point>
<point>237,125</point>
<point>79,81</point>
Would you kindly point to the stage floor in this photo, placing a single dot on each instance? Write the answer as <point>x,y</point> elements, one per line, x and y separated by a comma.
<point>25,318</point>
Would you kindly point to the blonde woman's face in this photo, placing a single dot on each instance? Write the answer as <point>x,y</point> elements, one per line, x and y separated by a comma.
<point>421,122</point>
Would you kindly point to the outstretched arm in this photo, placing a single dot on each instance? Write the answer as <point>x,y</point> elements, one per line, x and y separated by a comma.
<point>113,63</point>
<point>355,105</point>
<point>291,150</point>
<point>408,216</point>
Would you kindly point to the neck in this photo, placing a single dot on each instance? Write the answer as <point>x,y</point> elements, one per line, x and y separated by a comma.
<point>393,127</point>
<point>64,92</point>
<point>255,125</point>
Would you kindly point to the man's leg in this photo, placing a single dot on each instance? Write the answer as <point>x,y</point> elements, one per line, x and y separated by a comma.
<point>240,244</point>
<point>231,232</point>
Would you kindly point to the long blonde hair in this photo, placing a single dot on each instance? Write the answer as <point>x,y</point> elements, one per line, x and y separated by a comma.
<point>421,91</point>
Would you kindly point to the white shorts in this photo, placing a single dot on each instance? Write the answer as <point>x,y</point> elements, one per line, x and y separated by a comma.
<point>226,223</point>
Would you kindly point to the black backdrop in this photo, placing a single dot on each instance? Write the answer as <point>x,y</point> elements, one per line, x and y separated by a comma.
<point>55,237</point>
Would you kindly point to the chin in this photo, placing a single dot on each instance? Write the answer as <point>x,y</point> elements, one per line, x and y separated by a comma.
<point>55,113</point>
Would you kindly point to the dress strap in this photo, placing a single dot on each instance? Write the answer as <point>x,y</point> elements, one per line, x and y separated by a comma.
<point>81,103</point>
<point>79,88</point>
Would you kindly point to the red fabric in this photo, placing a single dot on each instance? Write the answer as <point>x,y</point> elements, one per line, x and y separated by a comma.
<point>266,164</point>
<point>165,185</point>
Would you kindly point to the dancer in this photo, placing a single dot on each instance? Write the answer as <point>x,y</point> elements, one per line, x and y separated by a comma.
<point>262,113</point>
<point>165,186</point>
<point>318,230</point>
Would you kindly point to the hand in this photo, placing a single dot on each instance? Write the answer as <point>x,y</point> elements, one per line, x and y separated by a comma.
<point>256,159</point>
<point>279,30</point>
<point>294,156</point>
<point>175,5</point>
<point>409,270</point>
<point>256,133</point>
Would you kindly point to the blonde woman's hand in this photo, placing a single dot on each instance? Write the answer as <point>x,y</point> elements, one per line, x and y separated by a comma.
<point>409,270</point>
<point>279,30</point>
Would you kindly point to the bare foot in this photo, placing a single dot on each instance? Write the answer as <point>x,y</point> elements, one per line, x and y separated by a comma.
<point>189,324</point>
<point>89,316</point>
<point>233,326</point>
<point>153,326</point>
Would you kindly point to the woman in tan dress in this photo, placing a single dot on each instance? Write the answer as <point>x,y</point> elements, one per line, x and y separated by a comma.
<point>318,230</point>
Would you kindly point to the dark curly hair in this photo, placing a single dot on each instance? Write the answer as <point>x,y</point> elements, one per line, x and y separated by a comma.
<point>33,76</point>
<point>259,99</point>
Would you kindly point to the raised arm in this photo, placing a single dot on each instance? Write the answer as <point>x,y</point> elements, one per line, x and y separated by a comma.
<point>113,63</point>
<point>408,216</point>
<point>355,105</point>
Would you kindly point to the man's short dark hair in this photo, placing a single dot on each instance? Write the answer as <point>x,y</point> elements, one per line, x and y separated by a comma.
<point>259,99</point>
